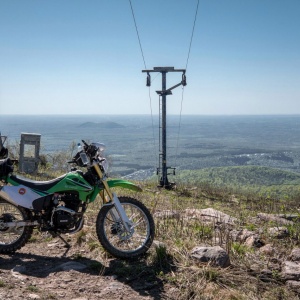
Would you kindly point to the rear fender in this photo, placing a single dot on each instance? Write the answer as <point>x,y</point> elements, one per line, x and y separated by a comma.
<point>124,184</point>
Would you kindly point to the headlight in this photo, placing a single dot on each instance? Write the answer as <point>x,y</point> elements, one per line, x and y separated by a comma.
<point>100,147</point>
<point>104,164</point>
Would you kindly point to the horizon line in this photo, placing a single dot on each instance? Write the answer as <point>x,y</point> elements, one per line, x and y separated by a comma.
<point>141,114</point>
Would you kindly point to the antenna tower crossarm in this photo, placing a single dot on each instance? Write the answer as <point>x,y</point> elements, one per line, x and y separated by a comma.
<point>165,70</point>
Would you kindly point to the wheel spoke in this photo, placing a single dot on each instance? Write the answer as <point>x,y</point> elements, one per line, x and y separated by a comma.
<point>116,239</point>
<point>138,222</point>
<point>12,238</point>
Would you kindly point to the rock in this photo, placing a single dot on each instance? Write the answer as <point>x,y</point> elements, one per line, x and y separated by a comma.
<point>291,270</point>
<point>158,244</point>
<point>19,269</point>
<point>72,265</point>
<point>209,215</point>
<point>235,235</point>
<point>267,250</point>
<point>53,244</point>
<point>295,255</point>
<point>274,218</point>
<point>278,232</point>
<point>265,275</point>
<point>294,285</point>
<point>33,296</point>
<point>254,241</point>
<point>113,286</point>
<point>247,237</point>
<point>17,272</point>
<point>167,214</point>
<point>290,217</point>
<point>250,241</point>
<point>216,255</point>
<point>255,268</point>
<point>245,234</point>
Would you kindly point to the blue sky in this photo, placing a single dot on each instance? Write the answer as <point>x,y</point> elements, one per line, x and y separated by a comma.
<point>83,57</point>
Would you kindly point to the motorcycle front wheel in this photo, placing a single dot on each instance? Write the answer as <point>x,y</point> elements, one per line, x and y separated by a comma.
<point>113,236</point>
<point>13,238</point>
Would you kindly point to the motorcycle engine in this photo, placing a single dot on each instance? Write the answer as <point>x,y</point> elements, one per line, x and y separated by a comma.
<point>64,217</point>
<point>67,213</point>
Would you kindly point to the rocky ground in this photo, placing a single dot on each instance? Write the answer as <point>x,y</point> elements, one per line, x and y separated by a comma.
<point>48,270</point>
<point>234,251</point>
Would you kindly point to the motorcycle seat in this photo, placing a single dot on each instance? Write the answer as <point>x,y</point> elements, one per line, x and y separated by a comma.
<point>37,185</point>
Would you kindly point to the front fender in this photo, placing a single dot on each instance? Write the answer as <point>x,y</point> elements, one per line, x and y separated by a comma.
<point>123,183</point>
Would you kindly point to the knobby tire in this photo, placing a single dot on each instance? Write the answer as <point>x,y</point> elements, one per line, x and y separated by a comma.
<point>103,218</point>
<point>24,237</point>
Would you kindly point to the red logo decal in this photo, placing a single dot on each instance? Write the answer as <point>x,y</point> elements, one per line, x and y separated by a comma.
<point>22,191</point>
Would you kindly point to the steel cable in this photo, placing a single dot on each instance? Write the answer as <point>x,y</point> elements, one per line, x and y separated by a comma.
<point>187,61</point>
<point>137,32</point>
<point>186,65</point>
<point>142,52</point>
<point>192,36</point>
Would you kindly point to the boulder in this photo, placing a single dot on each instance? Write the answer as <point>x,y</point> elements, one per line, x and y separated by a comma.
<point>277,219</point>
<point>291,270</point>
<point>167,214</point>
<point>295,255</point>
<point>290,217</point>
<point>278,232</point>
<point>217,256</point>
<point>247,237</point>
<point>210,215</point>
<point>267,250</point>
<point>245,234</point>
<point>294,285</point>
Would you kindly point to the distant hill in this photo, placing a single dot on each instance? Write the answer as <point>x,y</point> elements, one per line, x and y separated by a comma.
<point>107,125</point>
<point>244,175</point>
<point>252,178</point>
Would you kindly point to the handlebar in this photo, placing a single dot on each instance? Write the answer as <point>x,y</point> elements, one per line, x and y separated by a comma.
<point>85,143</point>
<point>89,150</point>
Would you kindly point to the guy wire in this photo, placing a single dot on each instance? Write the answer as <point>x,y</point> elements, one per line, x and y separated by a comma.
<point>137,32</point>
<point>141,48</point>
<point>187,61</point>
<point>188,57</point>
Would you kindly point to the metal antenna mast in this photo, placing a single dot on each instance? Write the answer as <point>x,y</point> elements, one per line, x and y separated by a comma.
<point>162,170</point>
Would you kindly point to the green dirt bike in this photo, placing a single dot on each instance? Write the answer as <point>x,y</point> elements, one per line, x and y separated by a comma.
<point>124,226</point>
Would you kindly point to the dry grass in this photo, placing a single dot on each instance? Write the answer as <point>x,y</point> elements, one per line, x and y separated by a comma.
<point>251,275</point>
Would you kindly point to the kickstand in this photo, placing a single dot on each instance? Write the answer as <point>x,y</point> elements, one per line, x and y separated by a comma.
<point>66,243</point>
<point>54,235</point>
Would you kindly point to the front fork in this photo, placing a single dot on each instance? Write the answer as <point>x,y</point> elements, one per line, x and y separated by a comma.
<point>119,211</point>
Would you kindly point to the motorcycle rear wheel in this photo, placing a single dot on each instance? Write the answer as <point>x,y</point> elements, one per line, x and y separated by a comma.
<point>13,238</point>
<point>113,236</point>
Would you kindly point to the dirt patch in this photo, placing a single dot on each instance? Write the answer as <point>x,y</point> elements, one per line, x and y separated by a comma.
<point>48,270</point>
